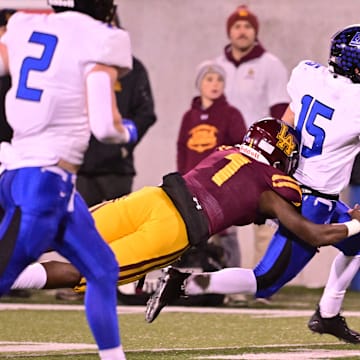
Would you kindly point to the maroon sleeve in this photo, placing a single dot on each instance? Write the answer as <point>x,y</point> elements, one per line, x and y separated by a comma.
<point>287,187</point>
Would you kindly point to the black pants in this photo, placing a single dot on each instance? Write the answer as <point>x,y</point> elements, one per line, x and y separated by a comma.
<point>98,188</point>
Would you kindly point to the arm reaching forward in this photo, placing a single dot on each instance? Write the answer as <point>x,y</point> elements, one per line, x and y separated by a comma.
<point>315,235</point>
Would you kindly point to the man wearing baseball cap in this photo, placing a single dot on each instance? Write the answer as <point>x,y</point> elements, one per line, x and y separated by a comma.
<point>257,79</point>
<point>256,84</point>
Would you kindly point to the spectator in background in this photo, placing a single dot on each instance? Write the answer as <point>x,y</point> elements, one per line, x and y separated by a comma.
<point>354,185</point>
<point>256,85</point>
<point>5,129</point>
<point>353,199</point>
<point>210,122</point>
<point>108,170</point>
<point>5,83</point>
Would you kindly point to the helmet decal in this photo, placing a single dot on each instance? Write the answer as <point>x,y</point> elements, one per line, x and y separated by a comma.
<point>355,41</point>
<point>264,145</point>
<point>286,140</point>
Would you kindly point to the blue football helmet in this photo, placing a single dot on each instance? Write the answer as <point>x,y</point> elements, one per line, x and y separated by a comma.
<point>345,53</point>
<point>103,10</point>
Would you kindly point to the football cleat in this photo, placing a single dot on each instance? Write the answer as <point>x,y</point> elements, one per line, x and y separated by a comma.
<point>170,287</point>
<point>334,326</point>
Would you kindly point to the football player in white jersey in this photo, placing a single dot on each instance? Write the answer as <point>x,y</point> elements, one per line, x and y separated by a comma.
<point>63,67</point>
<point>324,109</point>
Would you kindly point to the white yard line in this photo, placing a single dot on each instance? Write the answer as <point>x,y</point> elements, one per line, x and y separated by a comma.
<point>42,349</point>
<point>299,355</point>
<point>27,346</point>
<point>8,347</point>
<point>201,310</point>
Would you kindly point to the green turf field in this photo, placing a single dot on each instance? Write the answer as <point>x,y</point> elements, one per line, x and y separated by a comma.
<point>247,331</point>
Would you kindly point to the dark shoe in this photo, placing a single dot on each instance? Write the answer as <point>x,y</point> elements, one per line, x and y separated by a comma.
<point>334,326</point>
<point>169,289</point>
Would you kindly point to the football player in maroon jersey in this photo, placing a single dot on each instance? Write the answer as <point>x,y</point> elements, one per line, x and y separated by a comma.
<point>152,227</point>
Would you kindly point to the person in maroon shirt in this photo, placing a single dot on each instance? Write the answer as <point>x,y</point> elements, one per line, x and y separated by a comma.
<point>211,121</point>
<point>153,226</point>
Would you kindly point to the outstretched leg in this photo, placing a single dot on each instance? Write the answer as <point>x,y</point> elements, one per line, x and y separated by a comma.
<point>48,275</point>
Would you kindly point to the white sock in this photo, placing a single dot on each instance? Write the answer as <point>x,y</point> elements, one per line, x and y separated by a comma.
<point>342,271</point>
<point>112,354</point>
<point>33,277</point>
<point>225,281</point>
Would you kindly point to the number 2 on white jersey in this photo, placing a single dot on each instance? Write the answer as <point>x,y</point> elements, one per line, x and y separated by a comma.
<point>36,64</point>
<point>311,108</point>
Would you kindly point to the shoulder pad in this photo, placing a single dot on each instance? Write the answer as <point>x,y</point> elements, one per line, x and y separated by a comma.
<point>116,49</point>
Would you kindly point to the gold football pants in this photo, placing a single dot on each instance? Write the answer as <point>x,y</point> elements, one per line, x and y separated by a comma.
<point>144,230</point>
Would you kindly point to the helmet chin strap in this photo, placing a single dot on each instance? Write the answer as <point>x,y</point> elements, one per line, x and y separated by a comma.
<point>252,153</point>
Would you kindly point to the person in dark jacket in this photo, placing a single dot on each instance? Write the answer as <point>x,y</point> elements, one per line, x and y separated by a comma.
<point>5,83</point>
<point>354,185</point>
<point>108,170</point>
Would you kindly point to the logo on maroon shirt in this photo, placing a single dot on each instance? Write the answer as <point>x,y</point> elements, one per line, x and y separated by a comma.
<point>202,137</point>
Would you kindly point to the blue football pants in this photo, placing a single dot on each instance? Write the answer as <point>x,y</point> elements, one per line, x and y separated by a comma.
<point>43,212</point>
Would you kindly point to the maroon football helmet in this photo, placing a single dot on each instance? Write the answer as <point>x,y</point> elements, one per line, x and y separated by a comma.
<point>274,140</point>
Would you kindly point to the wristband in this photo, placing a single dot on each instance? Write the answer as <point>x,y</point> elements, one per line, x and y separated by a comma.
<point>132,130</point>
<point>353,227</point>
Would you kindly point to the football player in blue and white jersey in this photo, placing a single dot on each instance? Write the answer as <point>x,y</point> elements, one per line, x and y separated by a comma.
<point>324,110</point>
<point>63,67</point>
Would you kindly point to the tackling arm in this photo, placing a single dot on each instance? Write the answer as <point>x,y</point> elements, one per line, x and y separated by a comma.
<point>315,235</point>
